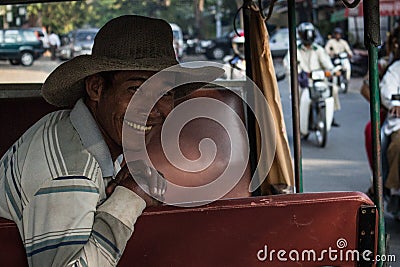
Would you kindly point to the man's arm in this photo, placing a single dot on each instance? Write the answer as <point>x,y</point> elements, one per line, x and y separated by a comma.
<point>347,48</point>
<point>324,59</point>
<point>58,199</point>
<point>301,63</point>
<point>72,231</point>
<point>286,62</point>
<point>329,48</point>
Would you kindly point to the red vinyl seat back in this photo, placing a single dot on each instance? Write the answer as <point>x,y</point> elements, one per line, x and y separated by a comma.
<point>18,114</point>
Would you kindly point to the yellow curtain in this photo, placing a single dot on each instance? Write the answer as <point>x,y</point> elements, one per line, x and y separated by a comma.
<point>280,176</point>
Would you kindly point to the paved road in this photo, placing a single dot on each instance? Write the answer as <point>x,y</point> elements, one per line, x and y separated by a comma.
<point>340,166</point>
<point>36,73</point>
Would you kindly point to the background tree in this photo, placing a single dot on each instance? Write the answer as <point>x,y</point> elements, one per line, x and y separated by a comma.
<point>53,15</point>
<point>195,17</point>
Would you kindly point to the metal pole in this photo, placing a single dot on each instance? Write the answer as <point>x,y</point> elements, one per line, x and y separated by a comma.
<point>251,121</point>
<point>314,12</point>
<point>372,40</point>
<point>295,96</point>
<point>376,145</point>
<point>218,16</point>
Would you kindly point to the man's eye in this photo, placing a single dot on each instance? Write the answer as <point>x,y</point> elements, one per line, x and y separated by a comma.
<point>169,93</point>
<point>133,88</point>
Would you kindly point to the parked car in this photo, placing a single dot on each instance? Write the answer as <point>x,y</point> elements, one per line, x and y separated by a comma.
<point>220,47</point>
<point>20,46</point>
<point>178,40</point>
<point>77,42</point>
<point>279,42</point>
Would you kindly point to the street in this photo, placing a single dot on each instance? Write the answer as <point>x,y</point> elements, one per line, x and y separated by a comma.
<point>341,166</point>
<point>37,73</point>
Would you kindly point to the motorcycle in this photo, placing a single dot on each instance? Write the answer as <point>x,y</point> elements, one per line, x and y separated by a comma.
<point>341,60</point>
<point>316,106</point>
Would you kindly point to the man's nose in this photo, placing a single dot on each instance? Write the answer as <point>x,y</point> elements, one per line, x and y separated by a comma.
<point>164,105</point>
<point>160,109</point>
<point>155,112</point>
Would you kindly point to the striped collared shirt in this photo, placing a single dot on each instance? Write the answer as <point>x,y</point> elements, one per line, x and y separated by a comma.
<point>52,185</point>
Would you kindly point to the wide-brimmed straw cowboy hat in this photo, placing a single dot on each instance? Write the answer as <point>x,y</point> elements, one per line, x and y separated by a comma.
<point>128,42</point>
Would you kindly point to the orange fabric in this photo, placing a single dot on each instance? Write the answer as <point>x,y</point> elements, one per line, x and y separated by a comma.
<point>263,74</point>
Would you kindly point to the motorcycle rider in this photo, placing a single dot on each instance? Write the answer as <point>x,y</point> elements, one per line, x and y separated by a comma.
<point>310,57</point>
<point>337,45</point>
<point>390,97</point>
<point>235,67</point>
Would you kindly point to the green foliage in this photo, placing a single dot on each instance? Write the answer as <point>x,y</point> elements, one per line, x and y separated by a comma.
<point>63,17</point>
<point>60,17</point>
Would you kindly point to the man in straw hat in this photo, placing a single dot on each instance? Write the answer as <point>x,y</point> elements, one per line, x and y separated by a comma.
<point>59,182</point>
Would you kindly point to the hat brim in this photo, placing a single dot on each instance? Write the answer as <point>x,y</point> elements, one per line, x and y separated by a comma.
<point>65,85</point>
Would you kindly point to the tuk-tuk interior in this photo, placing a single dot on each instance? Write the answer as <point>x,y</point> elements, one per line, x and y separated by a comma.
<point>238,230</point>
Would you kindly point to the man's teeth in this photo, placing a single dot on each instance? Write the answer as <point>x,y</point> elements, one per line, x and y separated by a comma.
<point>138,126</point>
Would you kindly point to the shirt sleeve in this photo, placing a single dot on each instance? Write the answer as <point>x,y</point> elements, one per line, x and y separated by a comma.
<point>286,62</point>
<point>300,62</point>
<point>66,227</point>
<point>390,84</point>
<point>324,59</point>
<point>347,47</point>
<point>328,47</point>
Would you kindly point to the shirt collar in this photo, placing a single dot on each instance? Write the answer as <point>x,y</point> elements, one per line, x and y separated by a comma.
<point>312,47</point>
<point>91,137</point>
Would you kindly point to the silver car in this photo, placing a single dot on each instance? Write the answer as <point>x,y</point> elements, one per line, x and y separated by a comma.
<point>77,42</point>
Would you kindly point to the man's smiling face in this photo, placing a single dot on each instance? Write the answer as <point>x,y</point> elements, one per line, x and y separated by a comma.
<point>112,102</point>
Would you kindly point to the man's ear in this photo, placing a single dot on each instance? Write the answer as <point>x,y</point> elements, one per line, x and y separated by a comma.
<point>94,85</point>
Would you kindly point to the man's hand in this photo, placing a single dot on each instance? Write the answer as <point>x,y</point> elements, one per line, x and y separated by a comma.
<point>394,112</point>
<point>149,178</point>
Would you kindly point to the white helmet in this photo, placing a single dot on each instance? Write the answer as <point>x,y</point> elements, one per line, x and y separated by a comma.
<point>306,32</point>
<point>238,40</point>
<point>238,45</point>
